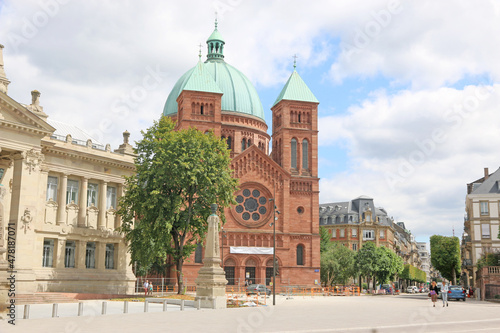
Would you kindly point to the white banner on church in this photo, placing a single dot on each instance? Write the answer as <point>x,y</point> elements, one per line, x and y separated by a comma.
<point>250,250</point>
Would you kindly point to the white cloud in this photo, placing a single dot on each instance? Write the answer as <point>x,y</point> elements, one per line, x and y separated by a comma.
<point>414,152</point>
<point>90,57</point>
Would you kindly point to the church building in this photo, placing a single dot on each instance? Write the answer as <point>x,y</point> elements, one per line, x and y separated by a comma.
<point>214,95</point>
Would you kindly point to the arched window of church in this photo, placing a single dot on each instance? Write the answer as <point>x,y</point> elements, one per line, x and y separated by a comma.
<point>299,117</point>
<point>201,109</point>
<point>198,254</point>
<point>300,255</point>
<point>228,142</point>
<point>305,154</point>
<point>249,143</point>
<point>243,144</point>
<point>294,153</point>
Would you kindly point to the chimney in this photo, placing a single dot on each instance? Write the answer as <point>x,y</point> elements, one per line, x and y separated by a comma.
<point>4,82</point>
<point>486,173</point>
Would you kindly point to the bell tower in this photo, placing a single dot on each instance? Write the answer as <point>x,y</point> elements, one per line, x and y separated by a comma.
<point>295,128</point>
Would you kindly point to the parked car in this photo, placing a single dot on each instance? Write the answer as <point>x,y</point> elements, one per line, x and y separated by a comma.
<point>457,292</point>
<point>412,289</point>
<point>258,289</point>
<point>387,288</point>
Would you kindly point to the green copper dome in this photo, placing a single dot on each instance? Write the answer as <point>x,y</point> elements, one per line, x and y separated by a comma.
<point>239,95</point>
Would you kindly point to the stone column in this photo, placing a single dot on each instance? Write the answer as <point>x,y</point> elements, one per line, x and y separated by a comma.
<point>100,255</point>
<point>59,253</point>
<point>81,249</point>
<point>119,194</point>
<point>61,200</point>
<point>211,281</point>
<point>82,212</point>
<point>102,206</point>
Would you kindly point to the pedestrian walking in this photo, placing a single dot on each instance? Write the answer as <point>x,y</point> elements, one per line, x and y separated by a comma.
<point>433,293</point>
<point>444,293</point>
<point>146,287</point>
<point>151,288</point>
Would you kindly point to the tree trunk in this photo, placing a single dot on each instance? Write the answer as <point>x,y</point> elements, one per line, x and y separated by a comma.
<point>454,275</point>
<point>180,282</point>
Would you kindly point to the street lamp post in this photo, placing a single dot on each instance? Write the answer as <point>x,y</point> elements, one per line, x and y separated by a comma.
<point>274,246</point>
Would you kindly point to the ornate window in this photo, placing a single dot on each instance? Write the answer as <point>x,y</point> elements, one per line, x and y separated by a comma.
<point>72,191</point>
<point>243,144</point>
<point>109,259</point>
<point>228,142</point>
<point>253,207</point>
<point>48,253</point>
<point>111,197</point>
<point>92,191</point>
<point>368,234</point>
<point>305,154</point>
<point>485,230</point>
<point>51,188</point>
<point>69,254</point>
<point>300,255</point>
<point>90,255</point>
<point>294,153</point>
<point>484,208</point>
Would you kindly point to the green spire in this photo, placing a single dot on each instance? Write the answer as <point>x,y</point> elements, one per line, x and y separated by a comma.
<point>215,44</point>
<point>296,89</point>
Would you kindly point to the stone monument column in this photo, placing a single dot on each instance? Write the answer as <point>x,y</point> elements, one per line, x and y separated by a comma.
<point>211,281</point>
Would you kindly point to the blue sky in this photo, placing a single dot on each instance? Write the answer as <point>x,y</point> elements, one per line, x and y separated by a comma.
<point>408,90</point>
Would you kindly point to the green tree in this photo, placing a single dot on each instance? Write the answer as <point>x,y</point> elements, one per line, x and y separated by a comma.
<point>445,256</point>
<point>324,235</point>
<point>388,264</point>
<point>366,261</point>
<point>178,175</point>
<point>338,264</point>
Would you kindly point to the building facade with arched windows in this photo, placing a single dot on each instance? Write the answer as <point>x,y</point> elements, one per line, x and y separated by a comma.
<point>214,95</point>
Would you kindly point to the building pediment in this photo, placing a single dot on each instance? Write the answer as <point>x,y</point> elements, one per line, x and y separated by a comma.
<point>15,116</point>
<point>255,160</point>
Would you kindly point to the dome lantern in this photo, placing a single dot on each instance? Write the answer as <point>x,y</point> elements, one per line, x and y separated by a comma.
<point>215,45</point>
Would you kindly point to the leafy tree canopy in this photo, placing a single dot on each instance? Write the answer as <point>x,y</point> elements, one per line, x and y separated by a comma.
<point>179,174</point>
<point>324,239</point>
<point>445,256</point>
<point>388,264</point>
<point>366,260</point>
<point>338,264</point>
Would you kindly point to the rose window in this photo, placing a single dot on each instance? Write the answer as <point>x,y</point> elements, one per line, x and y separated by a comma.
<point>252,206</point>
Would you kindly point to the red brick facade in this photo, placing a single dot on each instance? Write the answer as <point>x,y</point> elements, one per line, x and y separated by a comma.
<point>262,177</point>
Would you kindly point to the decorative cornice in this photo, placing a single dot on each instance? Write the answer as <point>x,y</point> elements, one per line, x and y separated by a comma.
<point>105,158</point>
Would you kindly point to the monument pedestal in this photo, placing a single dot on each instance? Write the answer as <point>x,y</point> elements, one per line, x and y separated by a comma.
<point>211,281</point>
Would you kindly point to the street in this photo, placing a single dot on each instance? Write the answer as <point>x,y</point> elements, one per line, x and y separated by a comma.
<point>403,313</point>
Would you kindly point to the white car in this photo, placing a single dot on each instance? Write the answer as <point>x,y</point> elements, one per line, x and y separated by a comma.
<point>412,289</point>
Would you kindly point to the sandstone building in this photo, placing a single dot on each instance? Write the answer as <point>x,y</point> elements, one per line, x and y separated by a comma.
<point>481,225</point>
<point>58,191</point>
